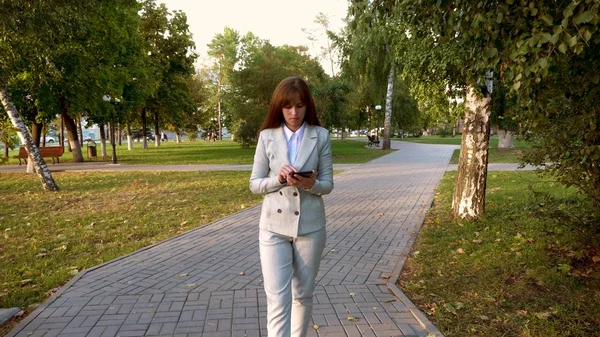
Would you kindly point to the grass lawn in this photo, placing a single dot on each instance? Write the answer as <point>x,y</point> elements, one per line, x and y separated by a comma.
<point>97,216</point>
<point>495,155</point>
<point>529,267</point>
<point>220,152</point>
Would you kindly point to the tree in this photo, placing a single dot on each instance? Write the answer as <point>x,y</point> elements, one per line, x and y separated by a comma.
<point>224,49</point>
<point>374,40</point>
<point>34,154</point>
<point>522,41</point>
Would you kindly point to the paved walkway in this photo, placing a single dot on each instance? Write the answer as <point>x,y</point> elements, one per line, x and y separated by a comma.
<point>207,282</point>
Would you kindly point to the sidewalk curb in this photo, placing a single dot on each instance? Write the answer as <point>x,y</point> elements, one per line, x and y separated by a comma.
<point>414,310</point>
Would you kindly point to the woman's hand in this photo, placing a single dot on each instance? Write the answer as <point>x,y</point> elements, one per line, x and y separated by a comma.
<point>300,181</point>
<point>284,173</point>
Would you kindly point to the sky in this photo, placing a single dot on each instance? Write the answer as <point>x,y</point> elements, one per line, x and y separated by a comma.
<point>279,21</point>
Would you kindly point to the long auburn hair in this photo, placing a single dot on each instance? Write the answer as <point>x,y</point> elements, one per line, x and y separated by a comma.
<point>285,93</point>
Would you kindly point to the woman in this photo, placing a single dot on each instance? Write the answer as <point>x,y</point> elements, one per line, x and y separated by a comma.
<point>292,221</point>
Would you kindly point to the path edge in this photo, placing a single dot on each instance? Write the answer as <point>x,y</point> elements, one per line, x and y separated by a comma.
<point>393,280</point>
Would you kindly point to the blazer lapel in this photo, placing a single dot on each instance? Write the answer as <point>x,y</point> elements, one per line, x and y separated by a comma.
<point>309,141</point>
<point>281,145</point>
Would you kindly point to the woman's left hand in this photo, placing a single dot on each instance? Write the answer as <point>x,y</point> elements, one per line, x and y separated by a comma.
<point>302,182</point>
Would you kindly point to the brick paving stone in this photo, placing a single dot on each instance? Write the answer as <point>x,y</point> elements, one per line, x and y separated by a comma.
<point>207,282</point>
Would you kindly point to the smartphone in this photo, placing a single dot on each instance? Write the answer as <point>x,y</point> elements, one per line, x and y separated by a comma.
<point>305,174</point>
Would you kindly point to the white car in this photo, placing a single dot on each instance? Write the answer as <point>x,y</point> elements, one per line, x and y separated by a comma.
<point>50,139</point>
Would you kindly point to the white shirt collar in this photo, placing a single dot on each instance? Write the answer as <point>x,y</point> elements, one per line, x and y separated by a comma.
<point>288,133</point>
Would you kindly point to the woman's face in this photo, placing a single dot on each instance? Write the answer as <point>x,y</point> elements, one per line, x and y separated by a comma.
<point>294,114</point>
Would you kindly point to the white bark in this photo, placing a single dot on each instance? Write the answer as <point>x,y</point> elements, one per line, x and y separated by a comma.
<point>469,188</point>
<point>35,157</point>
<point>387,123</point>
<point>129,143</point>
<point>506,139</point>
<point>178,137</point>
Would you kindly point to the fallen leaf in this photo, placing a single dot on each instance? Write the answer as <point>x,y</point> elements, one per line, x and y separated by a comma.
<point>596,259</point>
<point>26,282</point>
<point>316,327</point>
<point>352,294</point>
<point>476,241</point>
<point>484,317</point>
<point>449,307</point>
<point>544,315</point>
<point>460,251</point>
<point>522,312</point>
<point>242,273</point>
<point>190,285</point>
<point>352,318</point>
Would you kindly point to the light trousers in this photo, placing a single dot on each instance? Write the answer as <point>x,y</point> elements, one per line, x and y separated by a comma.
<point>290,266</point>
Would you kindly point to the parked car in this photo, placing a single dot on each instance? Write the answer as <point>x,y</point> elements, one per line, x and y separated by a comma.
<point>137,134</point>
<point>50,139</point>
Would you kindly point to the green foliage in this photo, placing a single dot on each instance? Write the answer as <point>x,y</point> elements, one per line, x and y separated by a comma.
<point>545,55</point>
<point>525,268</point>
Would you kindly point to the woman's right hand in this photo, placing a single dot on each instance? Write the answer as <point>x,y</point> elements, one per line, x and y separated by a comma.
<point>284,172</point>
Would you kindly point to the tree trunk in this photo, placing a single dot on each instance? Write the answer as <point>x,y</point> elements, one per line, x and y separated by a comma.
<point>387,124</point>
<point>119,133</point>
<point>62,132</point>
<point>506,139</point>
<point>80,131</point>
<point>469,188</point>
<point>71,132</point>
<point>178,137</point>
<point>219,108</point>
<point>113,143</point>
<point>156,130</point>
<point>34,153</point>
<point>102,140</point>
<point>144,126</point>
<point>129,138</point>
<point>36,132</point>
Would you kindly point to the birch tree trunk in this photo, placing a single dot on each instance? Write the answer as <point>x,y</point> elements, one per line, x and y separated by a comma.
<point>469,188</point>
<point>34,153</point>
<point>506,139</point>
<point>387,123</point>
<point>129,138</point>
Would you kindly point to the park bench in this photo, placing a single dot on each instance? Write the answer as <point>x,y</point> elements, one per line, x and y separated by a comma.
<point>46,151</point>
<point>373,140</point>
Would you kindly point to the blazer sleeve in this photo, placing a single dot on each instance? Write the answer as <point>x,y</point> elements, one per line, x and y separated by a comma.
<point>324,181</point>
<point>260,182</point>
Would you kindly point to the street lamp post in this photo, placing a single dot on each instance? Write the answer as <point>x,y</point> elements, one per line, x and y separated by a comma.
<point>377,108</point>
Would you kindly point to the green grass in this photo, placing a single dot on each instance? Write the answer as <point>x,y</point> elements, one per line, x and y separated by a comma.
<point>220,152</point>
<point>95,217</point>
<point>529,267</point>
<point>495,155</point>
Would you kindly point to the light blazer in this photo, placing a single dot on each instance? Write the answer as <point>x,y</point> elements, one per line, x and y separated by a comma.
<point>288,210</point>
